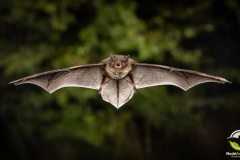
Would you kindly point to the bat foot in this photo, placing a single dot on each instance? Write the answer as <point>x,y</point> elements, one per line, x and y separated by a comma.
<point>100,90</point>
<point>135,89</point>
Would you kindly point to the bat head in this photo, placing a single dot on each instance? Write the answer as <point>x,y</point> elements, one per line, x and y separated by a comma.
<point>118,62</point>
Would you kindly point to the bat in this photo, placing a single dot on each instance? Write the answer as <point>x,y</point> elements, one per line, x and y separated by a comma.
<point>118,77</point>
<point>234,139</point>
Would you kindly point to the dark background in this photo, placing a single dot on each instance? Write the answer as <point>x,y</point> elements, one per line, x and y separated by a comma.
<point>162,122</point>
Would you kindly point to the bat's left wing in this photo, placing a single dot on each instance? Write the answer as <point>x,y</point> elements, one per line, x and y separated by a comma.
<point>88,76</point>
<point>146,75</point>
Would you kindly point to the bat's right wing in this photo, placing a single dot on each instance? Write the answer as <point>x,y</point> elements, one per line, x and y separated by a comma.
<point>146,75</point>
<point>88,76</point>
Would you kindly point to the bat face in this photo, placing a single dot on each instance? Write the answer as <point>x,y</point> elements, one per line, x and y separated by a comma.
<point>118,77</point>
<point>118,66</point>
<point>118,62</point>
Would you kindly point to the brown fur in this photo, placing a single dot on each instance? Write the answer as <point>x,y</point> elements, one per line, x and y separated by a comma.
<point>118,73</point>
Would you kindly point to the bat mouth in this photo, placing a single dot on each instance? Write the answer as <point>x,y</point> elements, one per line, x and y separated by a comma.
<point>118,65</point>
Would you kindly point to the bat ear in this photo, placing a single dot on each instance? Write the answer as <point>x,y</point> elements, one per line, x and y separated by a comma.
<point>112,57</point>
<point>126,59</point>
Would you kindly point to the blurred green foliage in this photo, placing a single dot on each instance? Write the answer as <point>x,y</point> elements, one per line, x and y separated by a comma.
<point>158,122</point>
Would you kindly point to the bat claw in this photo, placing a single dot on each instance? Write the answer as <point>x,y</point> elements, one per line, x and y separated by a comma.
<point>68,69</point>
<point>172,69</point>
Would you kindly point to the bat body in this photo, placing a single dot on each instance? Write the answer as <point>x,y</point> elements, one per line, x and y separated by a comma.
<point>118,77</point>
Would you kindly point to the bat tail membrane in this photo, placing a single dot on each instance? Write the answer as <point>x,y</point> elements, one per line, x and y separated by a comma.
<point>117,92</point>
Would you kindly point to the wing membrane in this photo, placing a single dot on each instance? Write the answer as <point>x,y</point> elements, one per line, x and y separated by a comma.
<point>146,75</point>
<point>88,76</point>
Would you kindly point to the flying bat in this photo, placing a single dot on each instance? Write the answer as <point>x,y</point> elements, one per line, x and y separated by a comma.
<point>118,77</point>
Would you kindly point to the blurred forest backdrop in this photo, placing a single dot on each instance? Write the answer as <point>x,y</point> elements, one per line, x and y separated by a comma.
<point>162,122</point>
